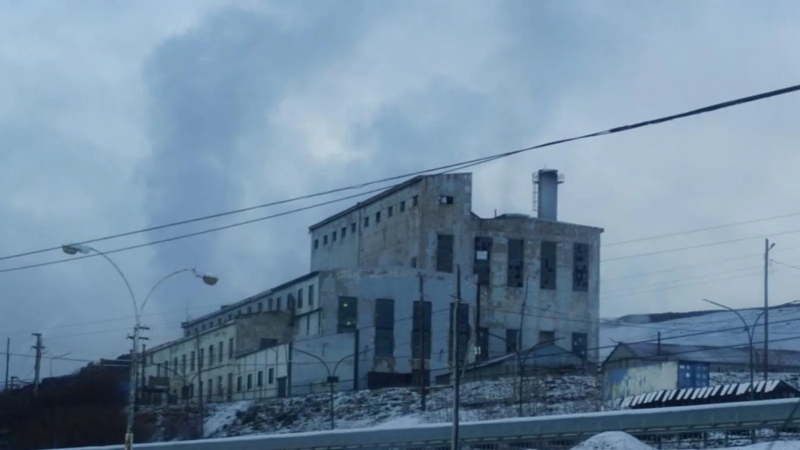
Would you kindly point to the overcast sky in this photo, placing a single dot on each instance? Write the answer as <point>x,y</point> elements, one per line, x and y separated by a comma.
<point>116,116</point>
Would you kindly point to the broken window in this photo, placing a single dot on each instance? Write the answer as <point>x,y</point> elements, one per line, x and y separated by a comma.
<point>325,240</point>
<point>347,315</point>
<point>547,275</point>
<point>421,330</point>
<point>483,343</point>
<point>462,323</point>
<point>377,217</point>
<point>512,340</point>
<point>444,253</point>
<point>445,199</point>
<point>389,211</point>
<point>516,263</point>
<point>580,344</point>
<point>333,237</point>
<point>402,206</point>
<point>482,264</point>
<point>546,337</point>
<point>580,267</point>
<point>384,328</point>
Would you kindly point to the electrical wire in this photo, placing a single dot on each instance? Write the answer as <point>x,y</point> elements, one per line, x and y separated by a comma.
<point>477,161</point>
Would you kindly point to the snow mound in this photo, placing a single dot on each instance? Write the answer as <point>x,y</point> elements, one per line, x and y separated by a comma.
<point>613,440</point>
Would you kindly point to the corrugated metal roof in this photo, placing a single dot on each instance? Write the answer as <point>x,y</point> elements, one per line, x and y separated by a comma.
<point>719,355</point>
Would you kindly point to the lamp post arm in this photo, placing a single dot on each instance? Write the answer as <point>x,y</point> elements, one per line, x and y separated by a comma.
<point>124,278</point>
<point>317,358</point>
<point>159,284</point>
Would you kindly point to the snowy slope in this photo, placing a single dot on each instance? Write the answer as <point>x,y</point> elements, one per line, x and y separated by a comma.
<point>708,330</point>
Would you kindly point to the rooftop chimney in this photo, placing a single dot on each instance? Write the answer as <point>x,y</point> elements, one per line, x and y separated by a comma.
<point>546,183</point>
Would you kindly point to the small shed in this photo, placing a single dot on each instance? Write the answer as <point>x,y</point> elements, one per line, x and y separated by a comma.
<point>533,359</point>
<point>720,359</point>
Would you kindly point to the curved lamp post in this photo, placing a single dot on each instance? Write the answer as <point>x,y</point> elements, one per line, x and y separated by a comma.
<point>750,330</point>
<point>74,249</point>
<point>332,378</point>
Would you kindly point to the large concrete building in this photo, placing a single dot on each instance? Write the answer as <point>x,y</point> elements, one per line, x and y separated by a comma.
<point>538,278</point>
<point>365,326</point>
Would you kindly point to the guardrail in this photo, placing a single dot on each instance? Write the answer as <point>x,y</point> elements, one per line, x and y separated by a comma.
<point>519,432</point>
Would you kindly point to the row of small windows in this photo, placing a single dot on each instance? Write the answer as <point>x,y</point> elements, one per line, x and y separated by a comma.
<point>180,366</point>
<point>188,391</point>
<point>273,304</point>
<point>548,266</point>
<point>341,234</point>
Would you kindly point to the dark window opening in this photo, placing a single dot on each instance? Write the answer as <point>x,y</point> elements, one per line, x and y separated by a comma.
<point>421,327</point>
<point>384,328</point>
<point>512,340</point>
<point>271,376</point>
<point>249,310</point>
<point>239,384</point>
<point>546,337</point>
<point>270,304</point>
<point>390,211</point>
<point>299,298</point>
<point>547,277</point>
<point>344,232</point>
<point>230,348</point>
<point>366,222</point>
<point>249,381</point>
<point>463,334</point>
<point>347,315</point>
<point>211,355</point>
<point>445,199</point>
<point>516,263</point>
<point>580,267</point>
<point>580,344</point>
<point>483,343</point>
<point>402,206</point>
<point>377,217</point>
<point>444,253</point>
<point>290,303</point>
<point>414,262</point>
<point>333,237</point>
<point>259,307</point>
<point>220,347</point>
<point>278,305</point>
<point>260,379</point>
<point>353,227</point>
<point>325,240</point>
<point>316,244</point>
<point>482,264</point>
<point>311,296</point>
<point>415,201</point>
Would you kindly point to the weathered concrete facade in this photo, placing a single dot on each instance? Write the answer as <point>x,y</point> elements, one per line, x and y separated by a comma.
<point>539,279</point>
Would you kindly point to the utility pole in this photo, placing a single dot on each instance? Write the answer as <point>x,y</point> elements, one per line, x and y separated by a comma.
<point>38,347</point>
<point>200,382</point>
<point>767,248</point>
<point>356,358</point>
<point>456,372</point>
<point>422,365</point>
<point>8,361</point>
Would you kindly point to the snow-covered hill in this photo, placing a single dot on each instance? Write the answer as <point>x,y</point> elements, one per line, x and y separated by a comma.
<point>722,328</point>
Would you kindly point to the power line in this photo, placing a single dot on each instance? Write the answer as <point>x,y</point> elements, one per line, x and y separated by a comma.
<point>483,160</point>
<point>692,247</point>
<point>698,230</point>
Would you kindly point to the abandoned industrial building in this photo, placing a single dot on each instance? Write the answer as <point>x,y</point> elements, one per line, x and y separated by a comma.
<point>377,307</point>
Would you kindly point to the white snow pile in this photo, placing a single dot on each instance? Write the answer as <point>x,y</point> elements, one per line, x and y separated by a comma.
<point>613,440</point>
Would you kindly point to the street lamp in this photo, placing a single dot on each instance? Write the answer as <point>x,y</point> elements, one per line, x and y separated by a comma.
<point>750,330</point>
<point>73,249</point>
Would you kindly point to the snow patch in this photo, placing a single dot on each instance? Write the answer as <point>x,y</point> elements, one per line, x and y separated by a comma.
<point>613,440</point>
<point>224,417</point>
